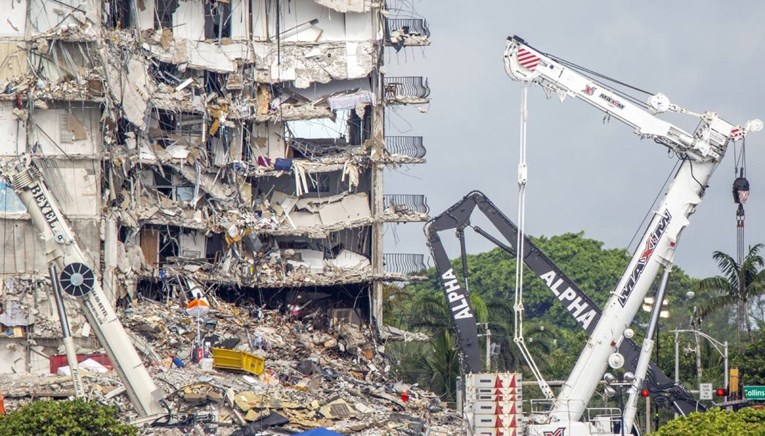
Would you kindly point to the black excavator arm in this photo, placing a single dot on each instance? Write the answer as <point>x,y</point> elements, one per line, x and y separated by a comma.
<point>577,303</point>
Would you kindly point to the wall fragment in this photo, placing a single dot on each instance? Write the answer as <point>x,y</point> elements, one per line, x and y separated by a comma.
<point>131,89</point>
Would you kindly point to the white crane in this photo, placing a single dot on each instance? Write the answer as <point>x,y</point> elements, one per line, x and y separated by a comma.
<point>699,152</point>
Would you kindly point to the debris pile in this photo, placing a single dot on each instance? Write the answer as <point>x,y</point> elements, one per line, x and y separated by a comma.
<point>320,369</point>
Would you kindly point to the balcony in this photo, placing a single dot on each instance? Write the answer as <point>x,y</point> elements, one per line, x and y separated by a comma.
<point>405,146</point>
<point>407,32</point>
<point>403,263</point>
<point>405,207</point>
<point>406,90</point>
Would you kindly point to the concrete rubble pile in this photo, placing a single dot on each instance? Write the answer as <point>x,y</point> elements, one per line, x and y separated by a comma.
<point>318,372</point>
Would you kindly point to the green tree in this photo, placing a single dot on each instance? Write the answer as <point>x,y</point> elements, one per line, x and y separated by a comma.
<point>551,334</point>
<point>738,285</point>
<point>750,359</point>
<point>540,337</point>
<point>438,368</point>
<point>434,365</point>
<point>74,418</point>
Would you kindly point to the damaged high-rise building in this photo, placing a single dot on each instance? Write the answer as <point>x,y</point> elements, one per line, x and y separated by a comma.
<point>234,145</point>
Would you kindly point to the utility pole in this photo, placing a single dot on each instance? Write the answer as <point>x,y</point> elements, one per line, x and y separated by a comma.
<point>487,334</point>
<point>647,415</point>
<point>488,348</point>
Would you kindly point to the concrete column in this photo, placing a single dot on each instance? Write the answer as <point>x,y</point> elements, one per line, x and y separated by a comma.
<point>109,280</point>
<point>377,139</point>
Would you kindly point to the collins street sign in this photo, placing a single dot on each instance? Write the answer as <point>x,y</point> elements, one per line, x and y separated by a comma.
<point>754,392</point>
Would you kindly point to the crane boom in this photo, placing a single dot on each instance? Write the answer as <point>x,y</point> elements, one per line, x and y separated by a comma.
<point>700,152</point>
<point>78,279</point>
<point>576,302</point>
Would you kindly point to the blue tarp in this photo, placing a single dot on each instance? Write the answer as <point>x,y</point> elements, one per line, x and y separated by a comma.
<point>320,432</point>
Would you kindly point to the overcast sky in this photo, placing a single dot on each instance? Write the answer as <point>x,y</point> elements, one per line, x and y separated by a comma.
<point>584,175</point>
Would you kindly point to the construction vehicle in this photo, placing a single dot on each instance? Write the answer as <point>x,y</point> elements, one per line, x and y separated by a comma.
<point>78,279</point>
<point>699,154</point>
<point>576,302</point>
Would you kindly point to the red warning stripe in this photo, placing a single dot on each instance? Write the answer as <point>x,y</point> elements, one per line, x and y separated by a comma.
<point>527,59</point>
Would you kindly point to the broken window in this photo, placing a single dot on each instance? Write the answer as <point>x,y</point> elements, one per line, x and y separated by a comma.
<point>62,60</point>
<point>217,19</point>
<point>247,151</point>
<point>167,121</point>
<point>159,244</point>
<point>126,233</point>
<point>360,127</point>
<point>167,183</point>
<point>123,128</point>
<point>167,124</point>
<point>192,244</point>
<point>320,183</point>
<point>164,16</point>
<point>216,246</point>
<point>161,183</point>
<point>117,14</point>
<point>184,193</point>
<point>164,72</point>
<point>356,240</point>
<point>215,82</point>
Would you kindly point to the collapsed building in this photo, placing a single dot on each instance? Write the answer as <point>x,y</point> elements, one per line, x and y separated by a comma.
<point>236,146</point>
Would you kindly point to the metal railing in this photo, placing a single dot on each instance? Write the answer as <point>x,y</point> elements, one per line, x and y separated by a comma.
<point>406,86</point>
<point>405,145</point>
<point>313,148</point>
<point>408,26</point>
<point>403,263</point>
<point>406,203</point>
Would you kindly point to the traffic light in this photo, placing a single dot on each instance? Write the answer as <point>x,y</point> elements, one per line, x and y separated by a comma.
<point>721,392</point>
<point>644,393</point>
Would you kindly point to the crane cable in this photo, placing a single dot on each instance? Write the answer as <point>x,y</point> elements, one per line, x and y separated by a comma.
<point>740,196</point>
<point>518,306</point>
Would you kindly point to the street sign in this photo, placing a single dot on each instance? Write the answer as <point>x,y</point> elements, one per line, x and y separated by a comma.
<point>705,391</point>
<point>754,392</point>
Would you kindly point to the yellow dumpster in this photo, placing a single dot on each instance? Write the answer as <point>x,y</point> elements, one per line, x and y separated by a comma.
<point>238,360</point>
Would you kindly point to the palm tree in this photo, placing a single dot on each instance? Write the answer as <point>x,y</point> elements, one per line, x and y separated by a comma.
<point>538,335</point>
<point>431,313</point>
<point>435,365</point>
<point>738,284</point>
<point>438,368</point>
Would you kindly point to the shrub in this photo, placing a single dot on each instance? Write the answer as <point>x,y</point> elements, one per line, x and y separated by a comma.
<point>716,422</point>
<point>76,417</point>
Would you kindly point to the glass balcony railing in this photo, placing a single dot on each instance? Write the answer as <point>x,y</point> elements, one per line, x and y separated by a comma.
<point>410,146</point>
<point>407,88</point>
<point>403,263</point>
<point>406,203</point>
<point>407,31</point>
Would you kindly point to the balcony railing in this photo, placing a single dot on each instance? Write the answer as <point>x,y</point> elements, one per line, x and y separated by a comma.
<point>403,263</point>
<point>410,146</point>
<point>403,27</point>
<point>311,148</point>
<point>401,88</point>
<point>406,203</point>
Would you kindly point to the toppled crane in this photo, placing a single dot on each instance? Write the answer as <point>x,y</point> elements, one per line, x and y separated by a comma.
<point>79,280</point>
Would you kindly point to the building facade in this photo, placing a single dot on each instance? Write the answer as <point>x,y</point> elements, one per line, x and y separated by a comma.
<point>236,146</point>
